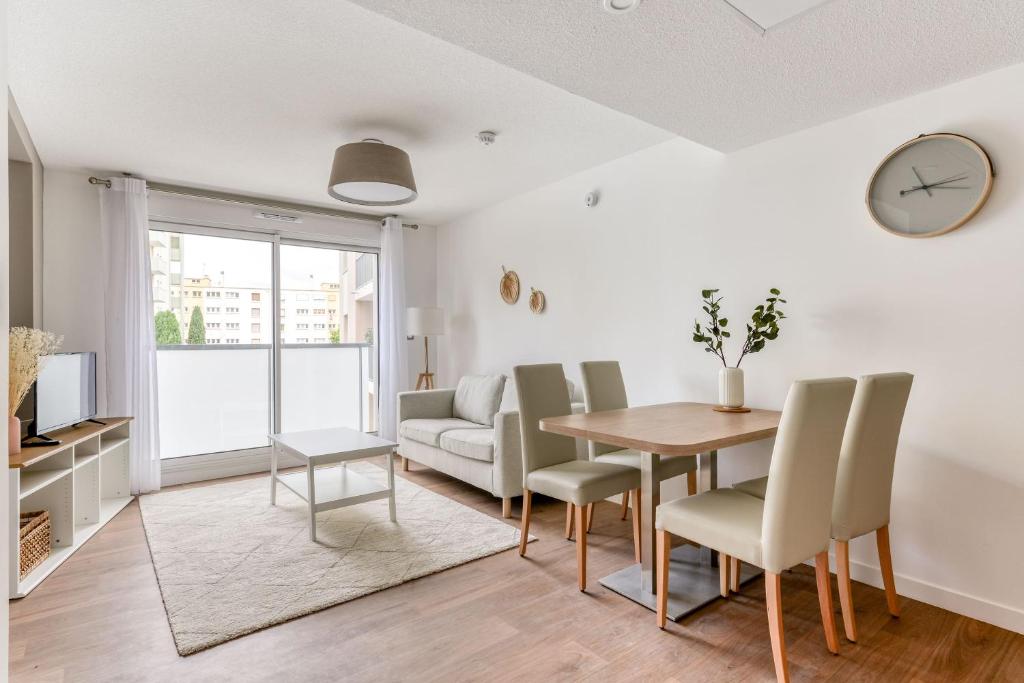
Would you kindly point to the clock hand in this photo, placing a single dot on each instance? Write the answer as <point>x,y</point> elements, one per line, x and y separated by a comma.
<point>924,185</point>
<point>938,184</point>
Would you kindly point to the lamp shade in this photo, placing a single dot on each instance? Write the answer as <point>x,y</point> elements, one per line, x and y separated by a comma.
<point>421,322</point>
<point>372,174</point>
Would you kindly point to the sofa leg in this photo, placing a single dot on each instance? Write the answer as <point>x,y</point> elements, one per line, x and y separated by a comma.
<point>405,464</point>
<point>506,508</point>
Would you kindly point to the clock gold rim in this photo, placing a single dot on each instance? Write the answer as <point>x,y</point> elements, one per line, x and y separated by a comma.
<point>985,191</point>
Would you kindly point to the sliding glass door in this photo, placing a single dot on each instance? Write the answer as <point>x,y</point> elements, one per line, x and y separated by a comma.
<point>211,300</point>
<point>226,378</point>
<point>328,322</point>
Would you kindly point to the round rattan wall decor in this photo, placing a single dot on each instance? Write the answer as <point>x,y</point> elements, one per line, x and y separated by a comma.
<point>537,300</point>
<point>509,286</point>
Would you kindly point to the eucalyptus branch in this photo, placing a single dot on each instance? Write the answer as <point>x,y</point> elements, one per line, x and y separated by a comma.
<point>762,328</point>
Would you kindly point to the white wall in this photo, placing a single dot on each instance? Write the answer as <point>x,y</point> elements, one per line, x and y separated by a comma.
<point>622,281</point>
<point>73,279</point>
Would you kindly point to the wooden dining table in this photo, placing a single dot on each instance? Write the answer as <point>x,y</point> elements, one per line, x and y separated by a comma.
<point>665,431</point>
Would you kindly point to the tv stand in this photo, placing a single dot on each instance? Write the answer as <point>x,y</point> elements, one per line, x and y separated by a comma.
<point>97,422</point>
<point>82,479</point>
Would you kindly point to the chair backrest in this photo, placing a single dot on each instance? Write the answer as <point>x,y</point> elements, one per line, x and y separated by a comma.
<point>802,476</point>
<point>541,391</point>
<point>603,389</point>
<point>864,479</point>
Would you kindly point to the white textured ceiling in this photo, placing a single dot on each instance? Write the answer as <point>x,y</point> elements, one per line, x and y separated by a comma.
<point>254,96</point>
<point>698,68</point>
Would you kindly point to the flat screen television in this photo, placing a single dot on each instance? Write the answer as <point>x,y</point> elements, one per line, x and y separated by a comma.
<point>65,392</point>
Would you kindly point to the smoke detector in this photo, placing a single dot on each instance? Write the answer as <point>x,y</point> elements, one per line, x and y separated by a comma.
<point>620,6</point>
<point>486,137</point>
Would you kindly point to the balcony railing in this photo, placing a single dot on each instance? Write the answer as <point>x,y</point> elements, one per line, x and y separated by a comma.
<point>220,398</point>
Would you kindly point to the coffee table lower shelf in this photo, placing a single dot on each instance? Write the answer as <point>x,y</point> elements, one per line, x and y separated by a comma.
<point>691,583</point>
<point>335,487</point>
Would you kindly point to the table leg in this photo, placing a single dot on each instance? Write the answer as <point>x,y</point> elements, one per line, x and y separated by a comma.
<point>650,495</point>
<point>310,476</point>
<point>391,485</point>
<point>707,480</point>
<point>273,473</point>
<point>694,579</point>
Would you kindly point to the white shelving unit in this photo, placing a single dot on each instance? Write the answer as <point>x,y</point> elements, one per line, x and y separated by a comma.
<point>82,482</point>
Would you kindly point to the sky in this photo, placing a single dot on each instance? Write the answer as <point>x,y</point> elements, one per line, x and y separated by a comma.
<point>247,263</point>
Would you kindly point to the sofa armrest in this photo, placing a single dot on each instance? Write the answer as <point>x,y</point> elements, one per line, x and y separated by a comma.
<point>508,454</point>
<point>429,404</point>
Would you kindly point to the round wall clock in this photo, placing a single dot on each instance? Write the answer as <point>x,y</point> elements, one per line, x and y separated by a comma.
<point>930,185</point>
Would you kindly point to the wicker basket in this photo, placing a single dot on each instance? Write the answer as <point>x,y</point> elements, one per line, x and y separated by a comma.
<point>34,540</point>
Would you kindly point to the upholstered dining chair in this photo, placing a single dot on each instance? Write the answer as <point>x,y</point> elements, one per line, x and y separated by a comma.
<point>550,466</point>
<point>864,481</point>
<point>604,389</point>
<point>793,521</point>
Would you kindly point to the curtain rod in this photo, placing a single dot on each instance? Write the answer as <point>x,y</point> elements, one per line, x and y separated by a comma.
<point>255,201</point>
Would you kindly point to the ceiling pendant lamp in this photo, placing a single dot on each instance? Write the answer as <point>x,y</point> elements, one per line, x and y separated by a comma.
<point>372,174</point>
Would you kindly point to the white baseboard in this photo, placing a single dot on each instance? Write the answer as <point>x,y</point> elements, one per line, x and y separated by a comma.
<point>218,466</point>
<point>1003,616</point>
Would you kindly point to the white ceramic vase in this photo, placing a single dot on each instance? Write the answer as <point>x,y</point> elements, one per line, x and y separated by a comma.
<point>730,387</point>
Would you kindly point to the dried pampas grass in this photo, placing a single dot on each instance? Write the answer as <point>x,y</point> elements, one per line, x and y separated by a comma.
<point>27,346</point>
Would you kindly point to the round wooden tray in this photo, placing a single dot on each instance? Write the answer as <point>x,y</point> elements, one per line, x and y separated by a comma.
<point>725,409</point>
<point>509,286</point>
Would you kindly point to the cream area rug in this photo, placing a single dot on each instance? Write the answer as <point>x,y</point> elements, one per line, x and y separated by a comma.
<point>229,563</point>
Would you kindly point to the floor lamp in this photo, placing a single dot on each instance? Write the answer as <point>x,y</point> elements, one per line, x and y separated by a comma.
<point>424,322</point>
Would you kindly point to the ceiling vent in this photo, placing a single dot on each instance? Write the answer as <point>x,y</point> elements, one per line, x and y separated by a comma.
<point>280,217</point>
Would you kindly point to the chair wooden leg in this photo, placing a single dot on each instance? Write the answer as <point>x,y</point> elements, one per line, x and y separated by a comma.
<point>828,616</point>
<point>581,545</point>
<point>664,546</point>
<point>625,504</point>
<point>636,524</point>
<point>590,517</point>
<point>734,574</point>
<point>568,520</point>
<point>524,535</point>
<point>845,589</point>
<point>723,574</point>
<point>773,595</point>
<point>506,508</point>
<point>405,464</point>
<point>691,483</point>
<point>885,562</point>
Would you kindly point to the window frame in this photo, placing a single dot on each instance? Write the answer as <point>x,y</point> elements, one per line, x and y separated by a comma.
<point>215,464</point>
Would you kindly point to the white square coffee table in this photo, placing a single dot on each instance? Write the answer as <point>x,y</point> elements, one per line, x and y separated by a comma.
<point>326,488</point>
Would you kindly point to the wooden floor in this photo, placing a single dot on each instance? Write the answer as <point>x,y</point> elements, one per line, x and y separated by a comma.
<point>499,618</point>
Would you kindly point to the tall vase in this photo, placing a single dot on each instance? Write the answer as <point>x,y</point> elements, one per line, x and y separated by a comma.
<point>730,387</point>
<point>13,435</point>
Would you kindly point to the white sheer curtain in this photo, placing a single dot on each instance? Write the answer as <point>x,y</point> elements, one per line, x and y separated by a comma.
<point>130,334</point>
<point>394,366</point>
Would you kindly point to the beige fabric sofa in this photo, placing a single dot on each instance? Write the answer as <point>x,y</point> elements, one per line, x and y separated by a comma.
<point>470,433</point>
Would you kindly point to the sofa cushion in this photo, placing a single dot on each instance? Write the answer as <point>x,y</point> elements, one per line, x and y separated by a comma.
<point>477,444</point>
<point>477,398</point>
<point>429,430</point>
